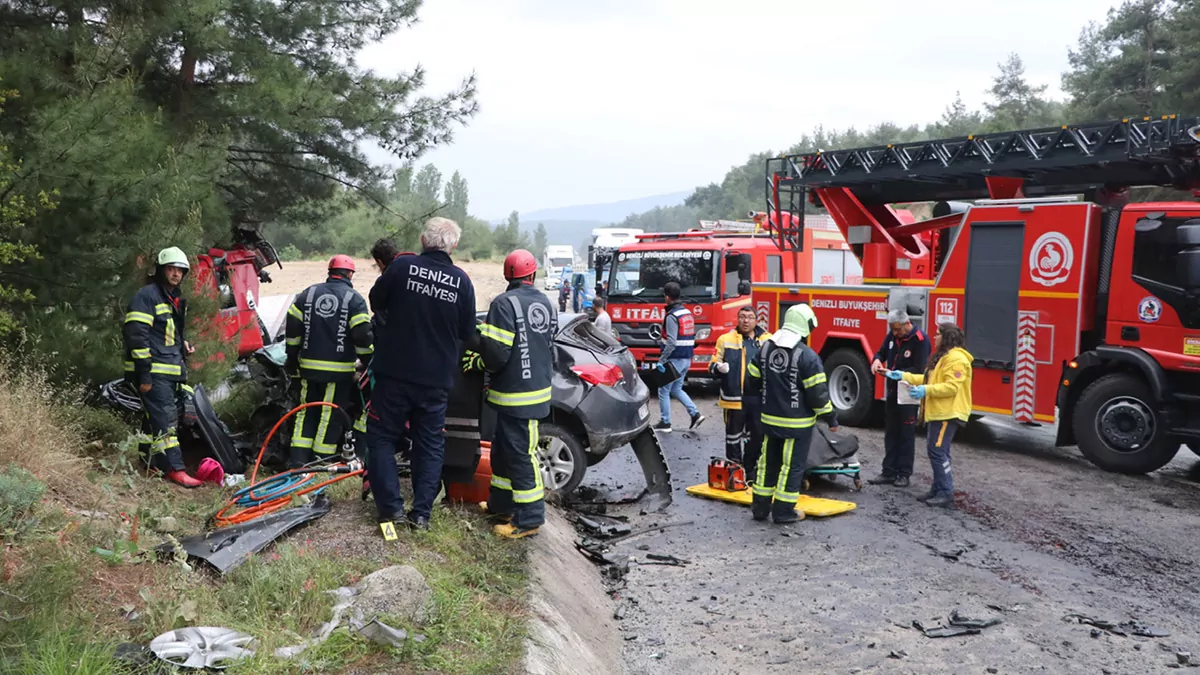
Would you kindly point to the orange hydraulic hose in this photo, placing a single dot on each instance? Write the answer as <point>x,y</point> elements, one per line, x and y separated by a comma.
<point>251,512</point>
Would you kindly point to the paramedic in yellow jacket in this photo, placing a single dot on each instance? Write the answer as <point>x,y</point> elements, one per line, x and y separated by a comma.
<point>944,390</point>
<point>734,351</point>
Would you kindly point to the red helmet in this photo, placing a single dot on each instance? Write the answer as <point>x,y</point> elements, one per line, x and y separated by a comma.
<point>341,262</point>
<point>519,264</point>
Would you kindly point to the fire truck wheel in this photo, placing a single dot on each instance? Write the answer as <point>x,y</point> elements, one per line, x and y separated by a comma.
<point>1117,429</point>
<point>851,386</point>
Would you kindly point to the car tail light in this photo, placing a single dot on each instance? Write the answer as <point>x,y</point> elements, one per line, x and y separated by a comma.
<point>602,374</point>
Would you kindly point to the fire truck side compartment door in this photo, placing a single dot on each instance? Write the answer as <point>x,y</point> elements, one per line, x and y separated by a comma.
<point>992,292</point>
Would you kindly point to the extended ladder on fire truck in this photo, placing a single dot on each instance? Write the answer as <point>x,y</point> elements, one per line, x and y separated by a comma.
<point>855,185</point>
<point>1081,312</point>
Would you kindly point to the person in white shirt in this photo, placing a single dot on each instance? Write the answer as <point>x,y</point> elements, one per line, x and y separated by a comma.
<point>603,321</point>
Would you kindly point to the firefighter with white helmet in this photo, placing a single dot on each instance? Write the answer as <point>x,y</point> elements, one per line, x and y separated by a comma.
<point>516,348</point>
<point>328,330</point>
<point>794,394</point>
<point>156,354</point>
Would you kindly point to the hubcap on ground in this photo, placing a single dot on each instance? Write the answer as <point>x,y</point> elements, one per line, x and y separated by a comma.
<point>558,465</point>
<point>1125,424</point>
<point>844,387</point>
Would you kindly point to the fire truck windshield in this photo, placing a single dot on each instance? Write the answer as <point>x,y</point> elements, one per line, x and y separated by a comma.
<point>640,275</point>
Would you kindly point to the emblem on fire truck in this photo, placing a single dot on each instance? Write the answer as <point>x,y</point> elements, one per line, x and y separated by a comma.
<point>1051,258</point>
<point>763,311</point>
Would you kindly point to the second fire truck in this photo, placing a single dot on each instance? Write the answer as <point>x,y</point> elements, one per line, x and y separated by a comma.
<point>1079,307</point>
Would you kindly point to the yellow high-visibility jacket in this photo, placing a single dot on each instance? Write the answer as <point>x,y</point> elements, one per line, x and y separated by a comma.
<point>731,349</point>
<point>948,389</point>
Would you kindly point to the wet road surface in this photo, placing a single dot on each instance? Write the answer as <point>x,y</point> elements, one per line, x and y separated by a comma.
<point>1039,533</point>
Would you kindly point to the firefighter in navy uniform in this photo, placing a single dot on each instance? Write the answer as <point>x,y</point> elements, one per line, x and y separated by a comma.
<point>156,354</point>
<point>516,348</point>
<point>328,330</point>
<point>794,394</point>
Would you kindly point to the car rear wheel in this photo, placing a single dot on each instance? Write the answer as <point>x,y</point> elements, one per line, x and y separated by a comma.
<point>561,457</point>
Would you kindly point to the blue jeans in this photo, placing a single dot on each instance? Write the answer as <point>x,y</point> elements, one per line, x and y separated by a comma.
<point>394,403</point>
<point>938,436</point>
<point>676,389</point>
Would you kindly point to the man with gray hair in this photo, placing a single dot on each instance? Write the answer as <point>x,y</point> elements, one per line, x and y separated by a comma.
<point>425,307</point>
<point>906,348</point>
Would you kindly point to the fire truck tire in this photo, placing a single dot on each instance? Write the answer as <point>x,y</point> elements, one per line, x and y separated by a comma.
<point>1117,429</point>
<point>851,387</point>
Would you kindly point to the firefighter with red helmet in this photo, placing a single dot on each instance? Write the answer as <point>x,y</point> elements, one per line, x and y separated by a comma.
<point>328,330</point>
<point>516,348</point>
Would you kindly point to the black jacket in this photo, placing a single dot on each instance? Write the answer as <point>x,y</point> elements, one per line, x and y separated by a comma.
<point>328,329</point>
<point>794,389</point>
<point>908,354</point>
<point>517,348</point>
<point>425,308</point>
<point>154,335</point>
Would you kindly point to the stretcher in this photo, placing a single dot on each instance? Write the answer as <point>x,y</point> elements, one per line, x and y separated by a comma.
<point>811,506</point>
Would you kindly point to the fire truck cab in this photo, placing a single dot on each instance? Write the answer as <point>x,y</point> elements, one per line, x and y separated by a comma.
<point>1078,307</point>
<point>715,265</point>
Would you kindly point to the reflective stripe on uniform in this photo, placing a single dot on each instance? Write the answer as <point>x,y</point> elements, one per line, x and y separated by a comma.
<point>129,367</point>
<point>362,351</point>
<point>498,334</point>
<point>685,343</point>
<point>143,353</point>
<point>293,310</point>
<point>789,422</point>
<point>539,490</point>
<point>319,444</point>
<point>785,468</point>
<point>501,483</point>
<point>292,341</point>
<point>187,388</point>
<point>298,439</point>
<point>166,369</point>
<point>753,369</point>
<point>139,317</point>
<point>814,380</point>
<point>760,474</point>
<point>162,308</point>
<point>523,398</point>
<point>359,319</point>
<point>327,366</point>
<point>169,333</point>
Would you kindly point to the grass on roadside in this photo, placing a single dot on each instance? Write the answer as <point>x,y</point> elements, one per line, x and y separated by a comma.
<point>78,575</point>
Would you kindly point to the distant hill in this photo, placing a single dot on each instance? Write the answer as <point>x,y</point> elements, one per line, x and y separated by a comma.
<point>574,224</point>
<point>613,212</point>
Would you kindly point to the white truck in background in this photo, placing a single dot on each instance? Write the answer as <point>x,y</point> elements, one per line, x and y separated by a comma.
<point>554,261</point>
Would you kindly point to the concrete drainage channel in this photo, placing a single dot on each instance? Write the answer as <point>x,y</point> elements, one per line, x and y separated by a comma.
<point>571,629</point>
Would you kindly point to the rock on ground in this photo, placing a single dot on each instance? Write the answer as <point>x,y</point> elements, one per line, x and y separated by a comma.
<point>400,591</point>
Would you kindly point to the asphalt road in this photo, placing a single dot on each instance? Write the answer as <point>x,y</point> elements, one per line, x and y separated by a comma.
<point>1039,532</point>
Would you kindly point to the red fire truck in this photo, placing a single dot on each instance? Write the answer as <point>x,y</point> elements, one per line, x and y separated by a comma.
<point>715,264</point>
<point>1079,307</point>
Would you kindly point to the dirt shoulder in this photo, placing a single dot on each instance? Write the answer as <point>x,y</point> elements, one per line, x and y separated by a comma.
<point>487,277</point>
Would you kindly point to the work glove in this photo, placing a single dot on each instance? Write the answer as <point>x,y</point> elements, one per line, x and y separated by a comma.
<point>894,375</point>
<point>918,391</point>
<point>660,367</point>
<point>722,367</point>
<point>471,361</point>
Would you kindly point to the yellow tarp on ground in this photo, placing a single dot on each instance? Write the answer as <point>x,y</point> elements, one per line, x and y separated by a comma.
<point>811,506</point>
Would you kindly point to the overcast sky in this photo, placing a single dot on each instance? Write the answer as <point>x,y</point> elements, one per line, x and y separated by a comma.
<point>603,100</point>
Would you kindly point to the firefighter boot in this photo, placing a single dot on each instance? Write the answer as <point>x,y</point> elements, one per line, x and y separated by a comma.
<point>760,507</point>
<point>502,517</point>
<point>182,478</point>
<point>510,531</point>
<point>785,512</point>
